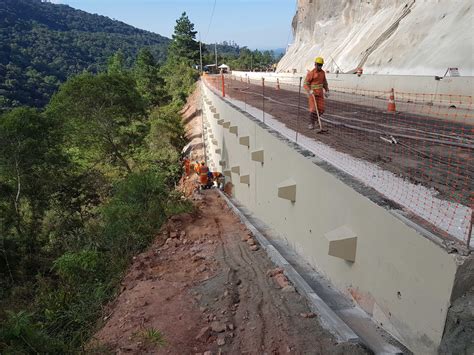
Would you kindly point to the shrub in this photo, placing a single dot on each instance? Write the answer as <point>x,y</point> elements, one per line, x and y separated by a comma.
<point>135,213</point>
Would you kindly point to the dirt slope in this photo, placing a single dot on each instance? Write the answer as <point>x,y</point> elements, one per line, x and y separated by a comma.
<point>206,287</point>
<point>203,288</point>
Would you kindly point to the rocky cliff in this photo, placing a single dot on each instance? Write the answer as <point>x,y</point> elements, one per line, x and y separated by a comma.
<point>422,37</point>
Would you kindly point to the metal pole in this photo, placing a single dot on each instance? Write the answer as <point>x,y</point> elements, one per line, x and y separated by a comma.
<point>263,98</point>
<point>245,99</point>
<point>223,84</point>
<point>298,114</point>
<point>245,96</point>
<point>215,52</point>
<point>200,53</point>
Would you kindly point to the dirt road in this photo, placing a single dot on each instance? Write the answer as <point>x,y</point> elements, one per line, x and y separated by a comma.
<point>204,289</point>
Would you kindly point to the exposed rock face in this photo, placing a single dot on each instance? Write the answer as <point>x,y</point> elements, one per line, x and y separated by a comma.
<point>422,37</point>
<point>459,328</point>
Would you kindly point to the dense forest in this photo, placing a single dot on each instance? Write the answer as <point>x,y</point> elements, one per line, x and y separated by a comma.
<point>85,184</point>
<point>42,44</point>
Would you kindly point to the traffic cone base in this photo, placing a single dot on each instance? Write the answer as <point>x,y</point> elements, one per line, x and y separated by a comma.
<point>391,102</point>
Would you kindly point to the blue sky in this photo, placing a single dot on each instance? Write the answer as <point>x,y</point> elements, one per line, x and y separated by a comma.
<point>263,24</point>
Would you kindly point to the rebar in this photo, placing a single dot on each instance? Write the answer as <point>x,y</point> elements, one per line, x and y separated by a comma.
<point>298,112</point>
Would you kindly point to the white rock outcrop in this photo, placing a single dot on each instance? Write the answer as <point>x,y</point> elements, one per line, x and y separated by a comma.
<point>416,37</point>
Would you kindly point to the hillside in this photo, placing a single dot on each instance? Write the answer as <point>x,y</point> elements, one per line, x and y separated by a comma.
<point>41,44</point>
<point>383,36</point>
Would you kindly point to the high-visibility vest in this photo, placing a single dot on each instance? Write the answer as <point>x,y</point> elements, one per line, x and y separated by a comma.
<point>203,170</point>
<point>315,81</point>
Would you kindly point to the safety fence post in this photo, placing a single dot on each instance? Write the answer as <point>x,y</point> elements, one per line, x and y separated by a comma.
<point>298,112</point>
<point>223,84</point>
<point>245,98</point>
<point>263,99</point>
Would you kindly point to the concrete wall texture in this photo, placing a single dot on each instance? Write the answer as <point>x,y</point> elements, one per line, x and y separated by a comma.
<point>402,279</point>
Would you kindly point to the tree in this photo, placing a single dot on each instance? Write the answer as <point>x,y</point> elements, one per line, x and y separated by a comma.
<point>31,167</point>
<point>149,82</point>
<point>184,45</point>
<point>103,116</point>
<point>116,63</point>
<point>42,44</point>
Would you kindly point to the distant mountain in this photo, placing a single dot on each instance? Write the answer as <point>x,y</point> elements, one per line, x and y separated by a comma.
<point>42,44</point>
<point>279,51</point>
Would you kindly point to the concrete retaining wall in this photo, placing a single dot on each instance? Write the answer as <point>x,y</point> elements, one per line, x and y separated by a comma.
<point>401,278</point>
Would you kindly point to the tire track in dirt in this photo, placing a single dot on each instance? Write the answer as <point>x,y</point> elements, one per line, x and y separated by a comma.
<point>231,259</point>
<point>264,303</point>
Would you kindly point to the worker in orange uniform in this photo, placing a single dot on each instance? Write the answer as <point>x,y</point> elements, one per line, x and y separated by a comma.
<point>219,179</point>
<point>203,178</point>
<point>197,167</point>
<point>317,85</point>
<point>187,166</point>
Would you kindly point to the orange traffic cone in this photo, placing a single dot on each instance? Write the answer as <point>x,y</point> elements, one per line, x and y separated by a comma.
<point>391,102</point>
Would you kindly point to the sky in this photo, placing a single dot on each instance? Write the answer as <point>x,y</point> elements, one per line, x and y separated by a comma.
<point>257,24</point>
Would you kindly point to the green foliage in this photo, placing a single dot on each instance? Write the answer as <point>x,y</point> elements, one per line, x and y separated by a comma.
<point>149,82</point>
<point>179,78</point>
<point>116,63</point>
<point>32,167</point>
<point>20,335</point>
<point>165,141</point>
<point>103,117</point>
<point>241,58</point>
<point>84,186</point>
<point>183,53</point>
<point>78,267</point>
<point>183,45</point>
<point>43,44</point>
<point>151,336</point>
<point>135,212</point>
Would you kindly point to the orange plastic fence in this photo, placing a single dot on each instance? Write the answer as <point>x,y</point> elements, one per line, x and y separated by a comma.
<point>424,150</point>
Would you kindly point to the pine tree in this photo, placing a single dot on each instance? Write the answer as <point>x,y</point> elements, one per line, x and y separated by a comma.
<point>184,45</point>
<point>149,82</point>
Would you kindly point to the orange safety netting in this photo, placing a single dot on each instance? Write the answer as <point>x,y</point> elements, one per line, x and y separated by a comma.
<point>420,156</point>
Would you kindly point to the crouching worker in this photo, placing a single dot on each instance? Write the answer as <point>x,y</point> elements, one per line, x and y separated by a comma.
<point>219,179</point>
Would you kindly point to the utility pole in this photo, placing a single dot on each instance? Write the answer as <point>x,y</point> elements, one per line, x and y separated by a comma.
<point>215,50</point>
<point>200,51</point>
